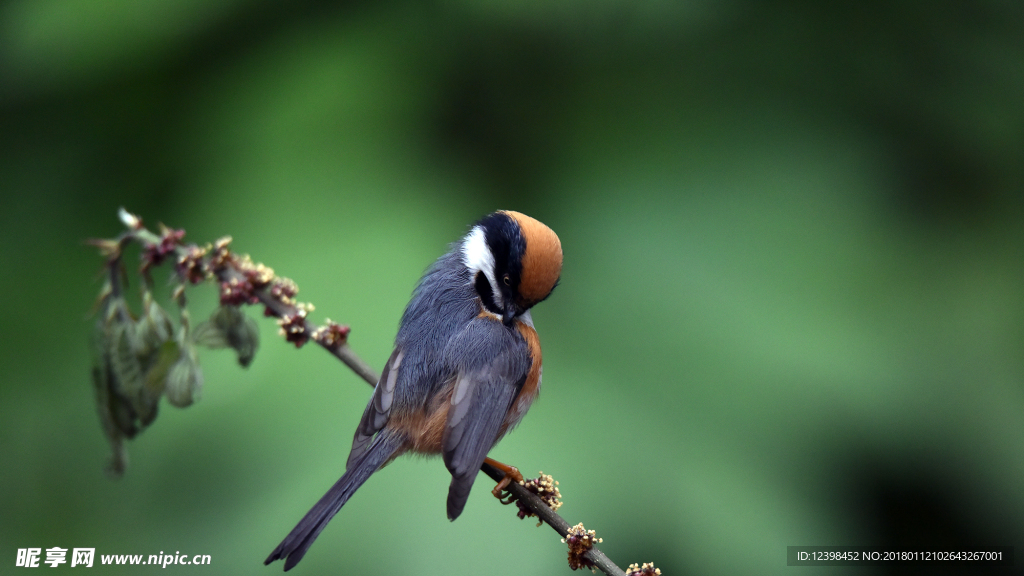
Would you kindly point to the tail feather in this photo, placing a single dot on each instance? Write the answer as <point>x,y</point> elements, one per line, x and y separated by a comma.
<point>458,493</point>
<point>298,541</point>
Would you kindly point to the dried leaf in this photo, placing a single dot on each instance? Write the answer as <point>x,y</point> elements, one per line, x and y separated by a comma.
<point>230,327</point>
<point>185,378</point>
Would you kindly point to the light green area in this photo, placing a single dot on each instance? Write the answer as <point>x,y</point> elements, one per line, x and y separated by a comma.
<point>771,324</point>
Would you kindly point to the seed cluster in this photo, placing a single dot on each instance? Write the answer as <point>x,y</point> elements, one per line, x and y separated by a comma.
<point>191,265</point>
<point>284,289</point>
<point>331,334</point>
<point>647,569</point>
<point>545,487</point>
<point>154,254</point>
<point>293,328</point>
<point>580,540</point>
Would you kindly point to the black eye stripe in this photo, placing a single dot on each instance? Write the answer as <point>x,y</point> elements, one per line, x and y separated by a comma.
<point>507,245</point>
<point>483,288</point>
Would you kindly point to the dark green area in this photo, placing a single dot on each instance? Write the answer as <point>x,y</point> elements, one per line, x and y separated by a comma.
<point>792,309</point>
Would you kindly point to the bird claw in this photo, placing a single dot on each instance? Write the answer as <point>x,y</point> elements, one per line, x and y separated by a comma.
<point>512,474</point>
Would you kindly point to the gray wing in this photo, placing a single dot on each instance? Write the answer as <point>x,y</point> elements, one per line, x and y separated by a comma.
<point>378,409</point>
<point>493,367</point>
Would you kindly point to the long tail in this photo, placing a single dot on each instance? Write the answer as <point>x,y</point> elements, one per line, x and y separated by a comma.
<point>294,546</point>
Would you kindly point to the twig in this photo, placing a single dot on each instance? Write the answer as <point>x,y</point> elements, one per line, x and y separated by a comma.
<point>557,523</point>
<point>228,272</point>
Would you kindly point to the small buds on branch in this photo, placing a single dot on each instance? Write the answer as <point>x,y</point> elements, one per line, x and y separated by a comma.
<point>241,281</point>
<point>580,541</point>
<point>331,335</point>
<point>139,359</point>
<point>544,487</point>
<point>647,569</point>
<point>293,328</point>
<point>524,497</point>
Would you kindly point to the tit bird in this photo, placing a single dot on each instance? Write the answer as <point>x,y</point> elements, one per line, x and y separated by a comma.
<point>465,368</point>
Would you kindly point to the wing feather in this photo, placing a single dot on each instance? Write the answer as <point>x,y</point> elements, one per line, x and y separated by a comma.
<point>493,364</point>
<point>378,409</point>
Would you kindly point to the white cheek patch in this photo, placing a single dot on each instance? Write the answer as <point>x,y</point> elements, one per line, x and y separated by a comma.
<point>478,258</point>
<point>476,254</point>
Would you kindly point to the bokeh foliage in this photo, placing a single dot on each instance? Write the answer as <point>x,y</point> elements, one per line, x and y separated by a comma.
<point>791,310</point>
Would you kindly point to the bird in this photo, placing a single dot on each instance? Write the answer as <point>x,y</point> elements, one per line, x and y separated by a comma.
<point>465,368</point>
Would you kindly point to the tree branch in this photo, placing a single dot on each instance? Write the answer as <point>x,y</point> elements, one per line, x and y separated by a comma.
<point>231,272</point>
<point>557,523</point>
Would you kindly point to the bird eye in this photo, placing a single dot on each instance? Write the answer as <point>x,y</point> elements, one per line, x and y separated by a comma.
<point>506,280</point>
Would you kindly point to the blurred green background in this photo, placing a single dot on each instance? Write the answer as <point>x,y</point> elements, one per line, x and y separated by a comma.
<point>791,310</point>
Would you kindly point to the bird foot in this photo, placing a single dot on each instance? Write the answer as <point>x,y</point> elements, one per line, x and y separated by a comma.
<point>512,474</point>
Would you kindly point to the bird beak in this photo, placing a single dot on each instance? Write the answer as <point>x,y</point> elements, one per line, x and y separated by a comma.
<point>510,313</point>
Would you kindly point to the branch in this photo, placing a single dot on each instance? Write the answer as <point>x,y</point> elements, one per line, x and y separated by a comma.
<point>243,282</point>
<point>235,273</point>
<point>537,506</point>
